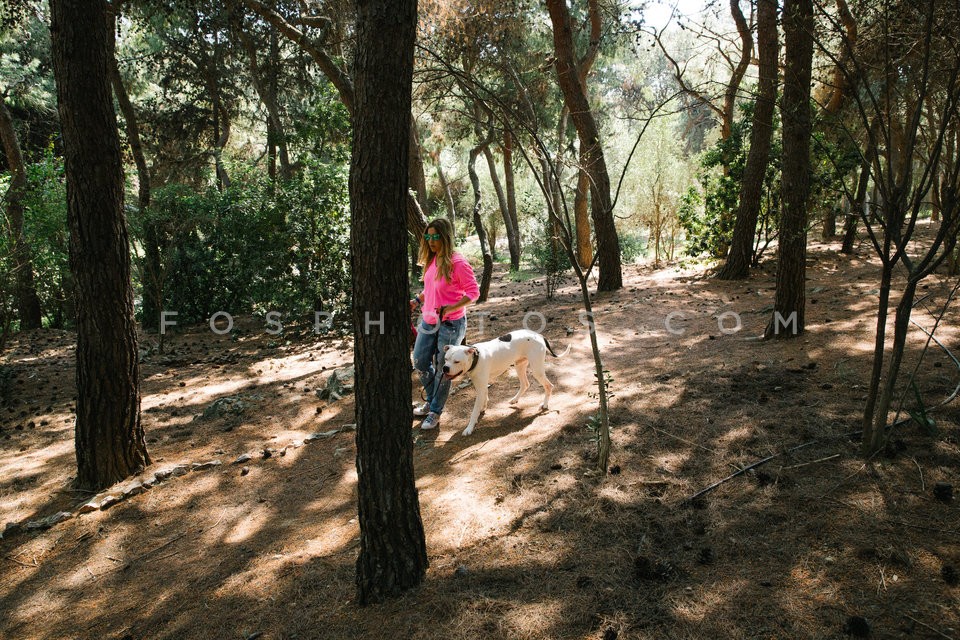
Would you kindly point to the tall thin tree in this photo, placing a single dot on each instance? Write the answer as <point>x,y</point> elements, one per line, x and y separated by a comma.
<point>393,555</point>
<point>109,436</point>
<point>751,190</point>
<point>591,150</point>
<point>789,300</point>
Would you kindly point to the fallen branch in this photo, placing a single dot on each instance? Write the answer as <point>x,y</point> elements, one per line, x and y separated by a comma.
<point>760,463</point>
<point>804,464</point>
<point>935,630</point>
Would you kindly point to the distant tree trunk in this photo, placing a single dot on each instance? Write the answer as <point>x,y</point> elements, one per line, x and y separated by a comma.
<point>152,263</point>
<point>418,177</point>
<point>267,92</point>
<point>109,436</point>
<point>28,302</point>
<point>447,192</point>
<point>510,184</point>
<point>591,151</point>
<point>860,198</point>
<point>789,300</point>
<point>504,210</point>
<point>751,190</point>
<point>487,274</point>
<point>393,555</point>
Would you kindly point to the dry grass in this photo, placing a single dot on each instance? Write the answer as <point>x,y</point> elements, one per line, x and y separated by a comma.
<point>523,543</point>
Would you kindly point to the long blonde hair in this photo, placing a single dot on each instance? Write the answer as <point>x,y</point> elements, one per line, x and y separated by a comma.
<point>444,263</point>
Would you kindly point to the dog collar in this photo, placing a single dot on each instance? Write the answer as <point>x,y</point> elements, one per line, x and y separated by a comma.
<point>476,359</point>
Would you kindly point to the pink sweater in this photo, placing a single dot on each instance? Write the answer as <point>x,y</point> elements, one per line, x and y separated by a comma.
<point>438,292</point>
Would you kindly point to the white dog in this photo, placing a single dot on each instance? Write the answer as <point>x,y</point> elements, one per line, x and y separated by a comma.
<point>487,360</point>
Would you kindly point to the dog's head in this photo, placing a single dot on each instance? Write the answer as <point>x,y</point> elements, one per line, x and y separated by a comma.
<point>457,360</point>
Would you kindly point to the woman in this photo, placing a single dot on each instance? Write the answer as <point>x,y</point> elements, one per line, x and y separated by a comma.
<point>448,287</point>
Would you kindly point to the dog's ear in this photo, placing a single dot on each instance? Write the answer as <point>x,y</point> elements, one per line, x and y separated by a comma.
<point>446,348</point>
<point>472,351</point>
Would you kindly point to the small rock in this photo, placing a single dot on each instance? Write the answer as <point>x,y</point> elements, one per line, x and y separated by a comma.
<point>266,454</point>
<point>857,626</point>
<point>244,471</point>
<point>242,458</point>
<point>209,464</point>
<point>89,507</point>
<point>49,521</point>
<point>109,500</point>
<point>134,489</point>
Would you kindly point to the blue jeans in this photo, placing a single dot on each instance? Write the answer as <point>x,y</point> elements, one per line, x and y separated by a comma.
<point>428,358</point>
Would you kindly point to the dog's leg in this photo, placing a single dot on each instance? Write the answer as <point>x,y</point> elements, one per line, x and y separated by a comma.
<point>537,369</point>
<point>478,408</point>
<point>524,381</point>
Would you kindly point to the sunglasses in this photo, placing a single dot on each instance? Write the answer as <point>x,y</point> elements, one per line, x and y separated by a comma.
<point>431,236</point>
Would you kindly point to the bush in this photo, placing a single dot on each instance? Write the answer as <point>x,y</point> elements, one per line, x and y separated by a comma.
<point>256,247</point>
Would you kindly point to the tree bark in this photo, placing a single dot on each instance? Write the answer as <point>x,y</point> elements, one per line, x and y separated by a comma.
<point>487,274</point>
<point>751,190</point>
<point>393,555</point>
<point>591,151</point>
<point>789,301</point>
<point>510,185</point>
<point>28,302</point>
<point>504,210</point>
<point>109,436</point>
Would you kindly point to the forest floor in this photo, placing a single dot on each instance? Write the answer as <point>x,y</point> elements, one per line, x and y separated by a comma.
<point>523,540</point>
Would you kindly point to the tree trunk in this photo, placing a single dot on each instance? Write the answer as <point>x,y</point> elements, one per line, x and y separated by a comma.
<point>751,190</point>
<point>393,555</point>
<point>447,193</point>
<point>109,436</point>
<point>504,210</point>
<point>789,300</point>
<point>418,177</point>
<point>28,302</point>
<point>591,151</point>
<point>487,274</point>
<point>152,264</point>
<point>510,184</point>
<point>581,217</point>
<point>266,91</point>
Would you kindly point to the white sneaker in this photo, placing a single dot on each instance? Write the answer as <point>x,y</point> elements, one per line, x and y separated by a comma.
<point>421,409</point>
<point>432,421</point>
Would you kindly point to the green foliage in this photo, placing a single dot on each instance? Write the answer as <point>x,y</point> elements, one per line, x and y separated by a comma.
<point>633,245</point>
<point>256,247</point>
<point>45,229</point>
<point>708,215</point>
<point>548,257</point>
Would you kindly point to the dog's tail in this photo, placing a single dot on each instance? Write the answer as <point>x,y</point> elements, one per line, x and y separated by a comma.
<point>550,349</point>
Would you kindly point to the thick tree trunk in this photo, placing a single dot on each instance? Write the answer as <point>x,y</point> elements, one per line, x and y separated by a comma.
<point>109,436</point>
<point>751,190</point>
<point>591,151</point>
<point>789,302</point>
<point>28,302</point>
<point>393,555</point>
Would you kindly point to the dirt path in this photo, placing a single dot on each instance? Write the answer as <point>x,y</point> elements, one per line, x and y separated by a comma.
<point>523,542</point>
